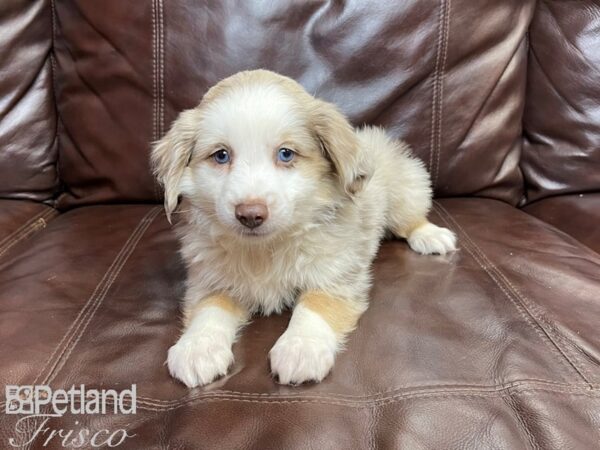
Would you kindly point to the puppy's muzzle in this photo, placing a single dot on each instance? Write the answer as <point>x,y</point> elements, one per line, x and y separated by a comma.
<point>251,215</point>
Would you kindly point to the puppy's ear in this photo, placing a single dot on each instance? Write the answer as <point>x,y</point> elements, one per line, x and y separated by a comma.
<point>340,144</point>
<point>172,154</point>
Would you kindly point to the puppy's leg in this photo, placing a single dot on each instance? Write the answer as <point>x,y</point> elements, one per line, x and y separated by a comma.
<point>317,330</point>
<point>203,352</point>
<point>403,180</point>
<point>409,204</point>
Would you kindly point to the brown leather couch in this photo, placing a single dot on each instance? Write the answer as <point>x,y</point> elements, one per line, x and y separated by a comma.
<point>494,346</point>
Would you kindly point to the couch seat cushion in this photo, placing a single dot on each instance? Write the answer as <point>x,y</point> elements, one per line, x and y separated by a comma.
<point>577,215</point>
<point>495,345</point>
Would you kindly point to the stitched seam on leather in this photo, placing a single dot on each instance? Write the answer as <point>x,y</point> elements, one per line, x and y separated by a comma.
<point>135,238</point>
<point>377,402</point>
<point>428,390</point>
<point>441,90</point>
<point>551,328</point>
<point>93,303</point>
<point>417,386</point>
<point>154,70</point>
<point>486,264</point>
<point>161,53</point>
<point>423,387</point>
<point>8,239</point>
<point>161,78</point>
<point>434,91</point>
<point>158,79</point>
<point>521,305</point>
<point>521,390</point>
<point>538,315</point>
<point>34,224</point>
<point>373,394</point>
<point>87,310</point>
<point>370,404</point>
<point>569,346</point>
<point>155,133</point>
<point>573,353</point>
<point>436,103</point>
<point>158,84</point>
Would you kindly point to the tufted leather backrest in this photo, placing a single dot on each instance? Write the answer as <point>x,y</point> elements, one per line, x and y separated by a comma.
<point>561,151</point>
<point>447,76</point>
<point>28,146</point>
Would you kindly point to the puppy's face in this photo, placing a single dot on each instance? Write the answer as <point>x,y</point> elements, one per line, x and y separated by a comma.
<point>256,164</point>
<point>256,158</point>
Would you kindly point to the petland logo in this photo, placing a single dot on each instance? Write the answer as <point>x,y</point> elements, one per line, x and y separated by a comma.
<point>39,403</point>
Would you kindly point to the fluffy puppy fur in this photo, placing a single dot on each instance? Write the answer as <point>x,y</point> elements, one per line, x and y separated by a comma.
<point>324,203</point>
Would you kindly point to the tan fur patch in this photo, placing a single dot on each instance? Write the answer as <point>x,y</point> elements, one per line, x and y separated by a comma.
<point>340,314</point>
<point>256,77</point>
<point>405,233</point>
<point>221,301</point>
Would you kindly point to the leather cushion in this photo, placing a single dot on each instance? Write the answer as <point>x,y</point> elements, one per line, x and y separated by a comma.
<point>577,215</point>
<point>498,340</point>
<point>28,145</point>
<point>561,151</point>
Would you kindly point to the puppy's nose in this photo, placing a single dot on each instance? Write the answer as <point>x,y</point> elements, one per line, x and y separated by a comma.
<point>251,215</point>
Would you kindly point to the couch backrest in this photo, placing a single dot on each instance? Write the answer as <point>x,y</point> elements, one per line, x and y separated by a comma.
<point>28,146</point>
<point>447,76</point>
<point>561,152</point>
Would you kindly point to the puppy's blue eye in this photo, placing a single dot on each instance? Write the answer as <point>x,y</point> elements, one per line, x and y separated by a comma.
<point>221,156</point>
<point>285,155</point>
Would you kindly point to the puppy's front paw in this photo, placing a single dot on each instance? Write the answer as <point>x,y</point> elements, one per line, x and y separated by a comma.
<point>297,359</point>
<point>198,359</point>
<point>430,239</point>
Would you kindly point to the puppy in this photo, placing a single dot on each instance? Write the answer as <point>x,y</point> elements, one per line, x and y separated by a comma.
<point>283,205</point>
